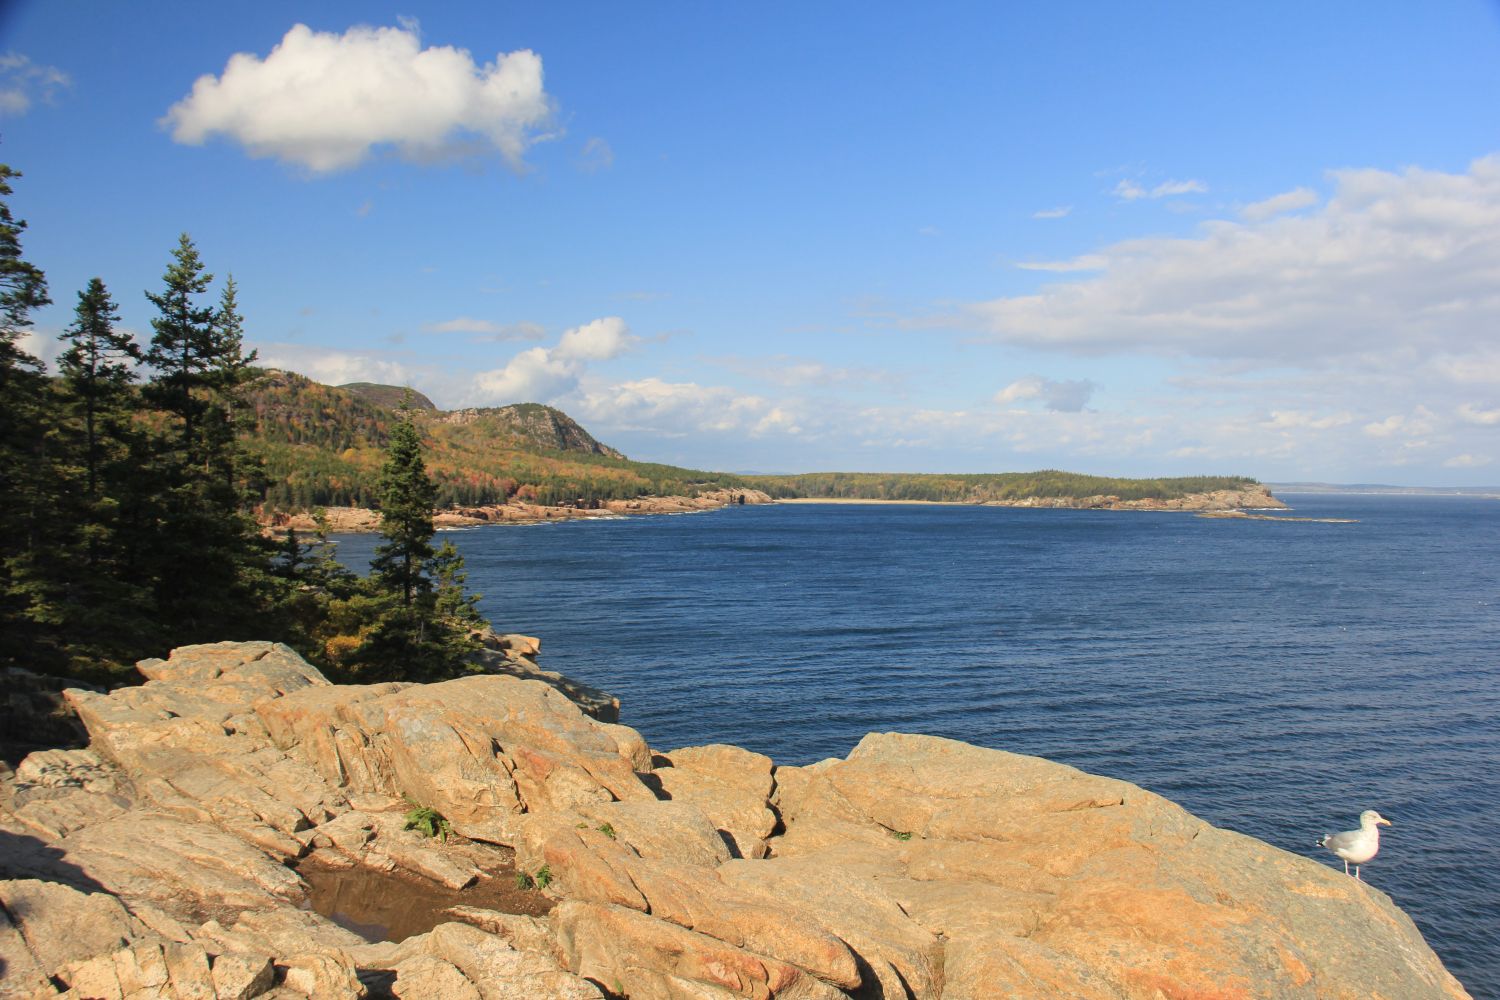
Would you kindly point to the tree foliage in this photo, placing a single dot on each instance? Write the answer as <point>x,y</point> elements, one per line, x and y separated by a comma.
<point>412,618</point>
<point>125,508</point>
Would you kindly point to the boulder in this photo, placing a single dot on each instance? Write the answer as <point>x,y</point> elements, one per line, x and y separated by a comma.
<point>481,750</point>
<point>46,925</point>
<point>1043,880</point>
<point>731,786</point>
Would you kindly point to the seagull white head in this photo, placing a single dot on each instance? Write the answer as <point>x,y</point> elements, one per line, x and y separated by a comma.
<point>1370,818</point>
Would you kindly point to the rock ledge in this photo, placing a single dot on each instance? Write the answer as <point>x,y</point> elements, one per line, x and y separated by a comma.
<point>156,862</point>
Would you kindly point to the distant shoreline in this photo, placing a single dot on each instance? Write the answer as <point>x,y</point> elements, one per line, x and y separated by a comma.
<point>861,500</point>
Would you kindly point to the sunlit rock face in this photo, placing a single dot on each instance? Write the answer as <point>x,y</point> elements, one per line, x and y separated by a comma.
<point>165,857</point>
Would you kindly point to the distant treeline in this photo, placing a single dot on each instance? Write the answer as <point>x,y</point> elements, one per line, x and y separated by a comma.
<point>979,488</point>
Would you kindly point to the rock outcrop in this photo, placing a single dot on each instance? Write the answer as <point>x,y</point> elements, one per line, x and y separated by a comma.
<point>162,861</point>
<point>341,519</point>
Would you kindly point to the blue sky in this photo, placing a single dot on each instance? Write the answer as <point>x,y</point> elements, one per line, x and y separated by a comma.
<point>1152,239</point>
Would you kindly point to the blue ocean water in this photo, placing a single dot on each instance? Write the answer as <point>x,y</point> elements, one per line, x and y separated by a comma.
<point>1274,679</point>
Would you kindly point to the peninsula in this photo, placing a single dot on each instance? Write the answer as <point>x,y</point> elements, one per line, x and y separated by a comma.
<point>321,448</point>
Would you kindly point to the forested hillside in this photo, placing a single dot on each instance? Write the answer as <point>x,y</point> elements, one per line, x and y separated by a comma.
<point>980,488</point>
<point>322,446</point>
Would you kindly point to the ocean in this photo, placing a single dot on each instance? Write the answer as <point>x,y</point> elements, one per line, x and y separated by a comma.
<point>1275,679</point>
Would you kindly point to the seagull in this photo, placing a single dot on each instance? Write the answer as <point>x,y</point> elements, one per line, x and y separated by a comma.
<point>1358,846</point>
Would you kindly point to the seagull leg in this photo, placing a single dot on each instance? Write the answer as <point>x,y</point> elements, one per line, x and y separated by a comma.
<point>1346,867</point>
<point>1356,874</point>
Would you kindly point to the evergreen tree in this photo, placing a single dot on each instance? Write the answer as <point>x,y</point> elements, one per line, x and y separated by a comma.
<point>407,495</point>
<point>412,619</point>
<point>97,376</point>
<point>213,573</point>
<point>228,374</point>
<point>24,494</point>
<point>88,607</point>
<point>182,345</point>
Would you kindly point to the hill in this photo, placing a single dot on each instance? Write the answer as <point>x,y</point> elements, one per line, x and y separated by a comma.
<point>323,446</point>
<point>389,396</point>
<point>543,427</point>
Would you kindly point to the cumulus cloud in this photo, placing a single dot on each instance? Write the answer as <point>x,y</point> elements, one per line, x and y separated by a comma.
<point>23,83</point>
<point>334,367</point>
<point>1472,414</point>
<point>323,101</point>
<point>677,408</point>
<point>1467,461</point>
<point>540,374</point>
<point>490,330</point>
<point>1066,396</point>
<point>1289,201</point>
<point>1395,266</point>
<point>1419,422</point>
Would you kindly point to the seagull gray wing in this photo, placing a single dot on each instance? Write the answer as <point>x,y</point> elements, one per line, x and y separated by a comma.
<point>1341,841</point>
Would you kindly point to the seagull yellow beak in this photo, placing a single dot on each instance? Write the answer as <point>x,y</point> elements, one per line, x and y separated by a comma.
<point>1385,821</point>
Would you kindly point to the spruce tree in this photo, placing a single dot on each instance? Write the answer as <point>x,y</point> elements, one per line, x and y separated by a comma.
<point>213,572</point>
<point>406,498</point>
<point>182,347</point>
<point>24,493</point>
<point>87,603</point>
<point>97,375</point>
<point>228,374</point>
<point>412,620</point>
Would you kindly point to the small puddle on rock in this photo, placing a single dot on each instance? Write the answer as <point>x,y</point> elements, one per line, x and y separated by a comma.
<point>387,906</point>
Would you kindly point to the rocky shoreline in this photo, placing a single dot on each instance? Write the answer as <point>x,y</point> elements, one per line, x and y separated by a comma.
<point>362,519</point>
<point>1255,497</point>
<point>164,859</point>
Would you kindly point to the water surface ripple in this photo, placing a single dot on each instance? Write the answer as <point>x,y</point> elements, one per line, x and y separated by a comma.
<point>1274,679</point>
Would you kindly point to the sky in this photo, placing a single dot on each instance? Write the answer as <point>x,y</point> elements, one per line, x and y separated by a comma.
<point>1123,239</point>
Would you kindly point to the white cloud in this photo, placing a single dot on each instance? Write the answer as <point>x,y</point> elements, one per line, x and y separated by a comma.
<point>1289,201</point>
<point>1059,212</point>
<point>534,375</point>
<point>491,330</point>
<point>23,83</point>
<point>1418,423</point>
<point>1088,262</point>
<point>1472,414</point>
<point>334,367</point>
<point>788,371</point>
<point>599,340</point>
<point>1298,420</point>
<point>543,374</point>
<point>44,346</point>
<point>324,101</point>
<point>1394,269</point>
<point>1467,461</point>
<point>1066,396</point>
<point>1129,190</point>
<point>596,155</point>
<point>675,409</point>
